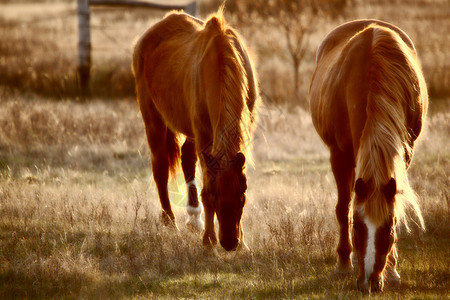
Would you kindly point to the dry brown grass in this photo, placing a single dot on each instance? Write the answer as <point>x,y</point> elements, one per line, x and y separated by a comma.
<point>79,212</point>
<point>79,209</point>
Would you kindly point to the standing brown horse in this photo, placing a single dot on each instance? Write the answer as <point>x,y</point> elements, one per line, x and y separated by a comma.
<point>368,103</point>
<point>196,78</point>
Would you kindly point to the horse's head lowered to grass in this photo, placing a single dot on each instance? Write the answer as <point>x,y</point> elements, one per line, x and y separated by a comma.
<point>227,190</point>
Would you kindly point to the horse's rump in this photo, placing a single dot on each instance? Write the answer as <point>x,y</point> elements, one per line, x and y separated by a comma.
<point>368,96</point>
<point>344,32</point>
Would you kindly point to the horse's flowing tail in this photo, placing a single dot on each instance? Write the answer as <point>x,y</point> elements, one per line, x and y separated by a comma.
<point>173,152</point>
<point>395,82</point>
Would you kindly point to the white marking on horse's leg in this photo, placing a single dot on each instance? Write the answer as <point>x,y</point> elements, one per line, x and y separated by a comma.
<point>191,209</point>
<point>192,182</point>
<point>369,259</point>
<point>194,220</point>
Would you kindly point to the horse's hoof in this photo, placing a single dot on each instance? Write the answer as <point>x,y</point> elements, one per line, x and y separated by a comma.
<point>243,252</point>
<point>210,251</point>
<point>343,269</point>
<point>392,277</point>
<point>242,247</point>
<point>194,221</point>
<point>195,224</point>
<point>173,226</point>
<point>363,288</point>
<point>169,222</point>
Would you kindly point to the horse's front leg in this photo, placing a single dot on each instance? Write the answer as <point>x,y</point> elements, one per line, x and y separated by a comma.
<point>210,167</point>
<point>194,207</point>
<point>209,236</point>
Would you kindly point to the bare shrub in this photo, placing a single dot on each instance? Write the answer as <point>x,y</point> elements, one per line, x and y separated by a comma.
<point>296,20</point>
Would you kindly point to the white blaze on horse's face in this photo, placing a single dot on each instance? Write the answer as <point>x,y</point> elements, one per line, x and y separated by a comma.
<point>364,236</point>
<point>372,243</point>
<point>369,259</point>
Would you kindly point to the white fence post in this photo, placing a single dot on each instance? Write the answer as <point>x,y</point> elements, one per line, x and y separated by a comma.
<point>84,45</point>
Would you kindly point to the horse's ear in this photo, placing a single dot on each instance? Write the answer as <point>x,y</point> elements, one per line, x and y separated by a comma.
<point>239,161</point>
<point>390,189</point>
<point>243,183</point>
<point>361,188</point>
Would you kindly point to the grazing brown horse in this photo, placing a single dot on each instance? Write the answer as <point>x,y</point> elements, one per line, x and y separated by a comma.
<point>368,104</point>
<point>195,78</point>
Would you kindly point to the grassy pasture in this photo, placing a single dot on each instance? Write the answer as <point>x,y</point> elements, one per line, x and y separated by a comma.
<point>79,212</point>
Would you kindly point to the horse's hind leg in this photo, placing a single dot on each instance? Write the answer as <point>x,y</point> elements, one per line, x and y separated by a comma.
<point>160,167</point>
<point>157,137</point>
<point>342,165</point>
<point>188,162</point>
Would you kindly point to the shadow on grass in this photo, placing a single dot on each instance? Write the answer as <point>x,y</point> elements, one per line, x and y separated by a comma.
<point>144,265</point>
<point>20,285</point>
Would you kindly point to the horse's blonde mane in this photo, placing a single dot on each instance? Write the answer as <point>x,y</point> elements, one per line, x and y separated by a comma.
<point>232,129</point>
<point>395,82</point>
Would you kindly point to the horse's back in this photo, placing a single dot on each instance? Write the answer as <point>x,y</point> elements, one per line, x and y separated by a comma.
<point>347,30</point>
<point>178,63</point>
<point>341,82</point>
<point>160,61</point>
<point>173,24</point>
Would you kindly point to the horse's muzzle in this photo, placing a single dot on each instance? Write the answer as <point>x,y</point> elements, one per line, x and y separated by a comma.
<point>361,286</point>
<point>372,286</point>
<point>229,244</point>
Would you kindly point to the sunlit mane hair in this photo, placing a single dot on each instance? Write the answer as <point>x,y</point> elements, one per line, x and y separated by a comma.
<point>232,132</point>
<point>395,83</point>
